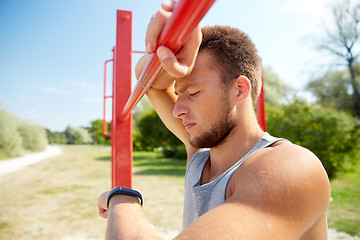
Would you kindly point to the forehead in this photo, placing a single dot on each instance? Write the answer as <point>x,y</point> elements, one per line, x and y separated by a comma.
<point>203,73</point>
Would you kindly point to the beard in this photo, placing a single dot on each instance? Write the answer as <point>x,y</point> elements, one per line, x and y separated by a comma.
<point>218,132</point>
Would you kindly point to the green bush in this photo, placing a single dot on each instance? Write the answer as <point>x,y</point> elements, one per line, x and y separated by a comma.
<point>178,152</point>
<point>33,137</point>
<point>96,131</point>
<point>77,135</point>
<point>56,137</point>
<point>10,139</point>
<point>136,141</point>
<point>151,133</point>
<point>333,136</point>
<point>17,136</point>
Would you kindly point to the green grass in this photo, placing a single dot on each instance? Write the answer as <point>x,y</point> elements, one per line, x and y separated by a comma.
<point>156,165</point>
<point>3,224</point>
<point>344,210</point>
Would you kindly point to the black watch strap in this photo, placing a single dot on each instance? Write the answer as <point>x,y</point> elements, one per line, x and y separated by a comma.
<point>124,191</point>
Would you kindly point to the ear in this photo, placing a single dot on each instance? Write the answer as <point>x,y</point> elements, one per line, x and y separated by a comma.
<point>242,88</point>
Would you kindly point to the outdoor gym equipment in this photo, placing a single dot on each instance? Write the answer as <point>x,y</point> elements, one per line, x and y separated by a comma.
<point>185,17</point>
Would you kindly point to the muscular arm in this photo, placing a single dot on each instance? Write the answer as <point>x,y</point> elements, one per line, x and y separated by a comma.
<point>286,196</point>
<point>278,194</point>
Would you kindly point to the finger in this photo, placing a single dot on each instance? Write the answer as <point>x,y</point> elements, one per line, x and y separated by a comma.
<point>189,50</point>
<point>154,29</point>
<point>103,213</point>
<point>175,68</point>
<point>168,5</point>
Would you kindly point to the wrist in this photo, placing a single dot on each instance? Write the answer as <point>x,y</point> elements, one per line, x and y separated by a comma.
<point>122,200</point>
<point>124,195</point>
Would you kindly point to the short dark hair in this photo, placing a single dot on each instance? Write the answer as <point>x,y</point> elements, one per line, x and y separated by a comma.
<point>235,54</point>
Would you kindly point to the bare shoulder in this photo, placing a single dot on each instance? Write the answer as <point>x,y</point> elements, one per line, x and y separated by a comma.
<point>285,180</point>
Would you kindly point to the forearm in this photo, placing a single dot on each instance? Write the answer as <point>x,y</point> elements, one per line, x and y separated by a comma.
<point>126,220</point>
<point>163,102</point>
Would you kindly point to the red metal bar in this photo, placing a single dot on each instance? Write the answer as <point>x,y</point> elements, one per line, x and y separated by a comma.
<point>113,121</point>
<point>185,17</point>
<point>105,133</point>
<point>260,107</point>
<point>121,131</point>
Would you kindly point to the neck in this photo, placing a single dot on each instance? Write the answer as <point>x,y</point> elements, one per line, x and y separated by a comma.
<point>239,142</point>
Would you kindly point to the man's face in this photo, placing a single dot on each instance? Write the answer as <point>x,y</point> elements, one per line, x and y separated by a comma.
<point>203,105</point>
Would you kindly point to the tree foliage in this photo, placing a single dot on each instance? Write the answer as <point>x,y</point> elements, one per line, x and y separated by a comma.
<point>96,132</point>
<point>77,135</point>
<point>276,91</point>
<point>333,90</point>
<point>56,137</point>
<point>342,41</point>
<point>141,108</point>
<point>152,133</point>
<point>10,139</point>
<point>333,136</point>
<point>33,137</point>
<point>17,136</point>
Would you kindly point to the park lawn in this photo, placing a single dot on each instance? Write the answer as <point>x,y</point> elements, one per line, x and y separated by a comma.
<point>57,198</point>
<point>344,210</point>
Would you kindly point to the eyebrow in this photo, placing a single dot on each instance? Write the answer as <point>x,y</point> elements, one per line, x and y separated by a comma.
<point>183,89</point>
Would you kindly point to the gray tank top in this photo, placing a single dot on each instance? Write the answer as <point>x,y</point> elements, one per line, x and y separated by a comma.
<point>199,199</point>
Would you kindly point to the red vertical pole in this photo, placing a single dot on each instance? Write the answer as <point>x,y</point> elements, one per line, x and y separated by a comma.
<point>122,131</point>
<point>260,107</point>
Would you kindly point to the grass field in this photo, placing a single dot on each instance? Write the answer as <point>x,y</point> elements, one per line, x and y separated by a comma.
<point>57,198</point>
<point>344,211</point>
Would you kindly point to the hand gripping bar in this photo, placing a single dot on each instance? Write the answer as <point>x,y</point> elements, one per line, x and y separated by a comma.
<point>185,17</point>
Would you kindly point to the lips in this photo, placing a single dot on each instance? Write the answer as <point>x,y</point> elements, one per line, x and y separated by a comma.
<point>188,125</point>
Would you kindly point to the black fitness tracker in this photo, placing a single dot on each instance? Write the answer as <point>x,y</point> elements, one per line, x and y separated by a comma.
<point>124,191</point>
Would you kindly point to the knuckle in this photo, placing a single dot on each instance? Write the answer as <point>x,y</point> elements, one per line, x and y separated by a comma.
<point>161,15</point>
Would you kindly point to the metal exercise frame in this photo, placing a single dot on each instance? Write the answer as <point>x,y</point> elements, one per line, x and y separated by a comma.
<point>186,16</point>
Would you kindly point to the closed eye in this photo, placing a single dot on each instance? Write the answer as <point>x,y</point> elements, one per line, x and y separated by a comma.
<point>194,94</point>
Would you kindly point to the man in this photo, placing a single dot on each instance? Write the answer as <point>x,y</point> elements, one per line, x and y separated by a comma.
<point>241,183</point>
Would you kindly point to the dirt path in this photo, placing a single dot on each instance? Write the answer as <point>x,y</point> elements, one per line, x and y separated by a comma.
<point>12,165</point>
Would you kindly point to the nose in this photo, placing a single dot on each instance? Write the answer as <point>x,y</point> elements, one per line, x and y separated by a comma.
<point>180,109</point>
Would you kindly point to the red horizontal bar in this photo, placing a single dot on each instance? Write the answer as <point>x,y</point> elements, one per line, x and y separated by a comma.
<point>138,51</point>
<point>185,17</point>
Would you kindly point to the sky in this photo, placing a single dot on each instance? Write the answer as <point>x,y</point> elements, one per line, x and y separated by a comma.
<point>52,53</point>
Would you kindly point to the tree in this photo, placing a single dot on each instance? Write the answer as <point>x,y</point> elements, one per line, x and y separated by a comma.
<point>141,108</point>
<point>77,135</point>
<point>17,136</point>
<point>10,138</point>
<point>276,91</point>
<point>56,137</point>
<point>96,131</point>
<point>333,136</point>
<point>33,136</point>
<point>333,90</point>
<point>343,41</point>
<point>152,133</point>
